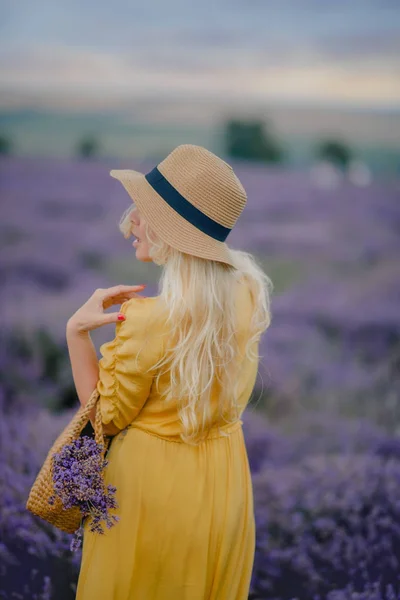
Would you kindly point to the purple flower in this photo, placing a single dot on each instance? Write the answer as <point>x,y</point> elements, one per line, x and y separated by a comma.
<point>78,481</point>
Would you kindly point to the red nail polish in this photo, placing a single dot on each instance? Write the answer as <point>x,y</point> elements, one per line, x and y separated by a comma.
<point>121,317</point>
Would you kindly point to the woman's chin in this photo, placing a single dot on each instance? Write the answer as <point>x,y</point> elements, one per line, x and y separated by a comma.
<point>142,257</point>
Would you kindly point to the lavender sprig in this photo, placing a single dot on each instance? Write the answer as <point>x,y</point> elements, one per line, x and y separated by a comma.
<point>78,481</point>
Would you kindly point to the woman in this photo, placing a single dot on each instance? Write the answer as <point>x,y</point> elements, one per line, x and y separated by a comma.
<point>173,385</point>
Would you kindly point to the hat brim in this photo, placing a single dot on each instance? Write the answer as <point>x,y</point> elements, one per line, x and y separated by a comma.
<point>169,225</point>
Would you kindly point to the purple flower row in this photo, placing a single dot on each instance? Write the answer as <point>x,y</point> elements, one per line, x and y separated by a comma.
<point>326,503</point>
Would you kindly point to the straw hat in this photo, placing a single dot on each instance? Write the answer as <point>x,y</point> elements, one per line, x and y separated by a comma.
<point>192,200</point>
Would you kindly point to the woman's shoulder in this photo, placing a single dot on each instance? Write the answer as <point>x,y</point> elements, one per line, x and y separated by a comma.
<point>144,312</point>
<point>138,306</point>
<point>139,303</point>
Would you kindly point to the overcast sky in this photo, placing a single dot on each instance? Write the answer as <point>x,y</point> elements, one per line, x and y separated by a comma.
<point>82,53</point>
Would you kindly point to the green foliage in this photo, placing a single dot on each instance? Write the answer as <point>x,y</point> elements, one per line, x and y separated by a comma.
<point>88,147</point>
<point>5,145</point>
<point>251,140</point>
<point>335,151</point>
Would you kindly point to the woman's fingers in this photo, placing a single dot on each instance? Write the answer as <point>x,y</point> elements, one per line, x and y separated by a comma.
<point>117,300</point>
<point>118,294</point>
<point>118,290</point>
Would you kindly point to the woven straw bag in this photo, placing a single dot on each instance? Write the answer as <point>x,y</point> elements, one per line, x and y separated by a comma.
<point>68,520</point>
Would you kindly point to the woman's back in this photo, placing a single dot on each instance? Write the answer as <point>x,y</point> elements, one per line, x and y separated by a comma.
<point>186,528</point>
<point>162,418</point>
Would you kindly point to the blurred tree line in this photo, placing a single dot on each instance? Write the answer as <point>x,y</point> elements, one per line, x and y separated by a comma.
<point>5,145</point>
<point>87,147</point>
<point>254,140</point>
<point>249,140</point>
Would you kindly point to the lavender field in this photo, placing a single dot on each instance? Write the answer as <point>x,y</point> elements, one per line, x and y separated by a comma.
<point>323,426</point>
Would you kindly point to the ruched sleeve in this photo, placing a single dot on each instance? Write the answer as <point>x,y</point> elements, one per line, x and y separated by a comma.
<point>124,378</point>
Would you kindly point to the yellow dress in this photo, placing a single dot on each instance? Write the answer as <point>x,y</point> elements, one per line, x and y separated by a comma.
<point>187,528</point>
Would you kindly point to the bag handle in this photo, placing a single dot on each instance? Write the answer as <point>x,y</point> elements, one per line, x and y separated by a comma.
<point>82,417</point>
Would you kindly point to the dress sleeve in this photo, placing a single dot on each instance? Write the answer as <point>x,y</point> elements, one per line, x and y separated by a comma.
<point>124,381</point>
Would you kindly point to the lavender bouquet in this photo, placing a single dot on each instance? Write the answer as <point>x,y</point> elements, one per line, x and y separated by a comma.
<point>78,481</point>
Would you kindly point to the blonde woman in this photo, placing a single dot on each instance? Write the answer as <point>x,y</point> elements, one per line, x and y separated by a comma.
<point>173,385</point>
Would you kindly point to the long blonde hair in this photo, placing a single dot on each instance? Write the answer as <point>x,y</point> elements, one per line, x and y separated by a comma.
<point>199,295</point>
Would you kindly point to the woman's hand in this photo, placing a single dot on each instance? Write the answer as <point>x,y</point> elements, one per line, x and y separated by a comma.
<point>91,315</point>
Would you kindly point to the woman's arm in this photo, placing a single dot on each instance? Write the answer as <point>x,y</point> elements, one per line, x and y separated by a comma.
<point>85,369</point>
